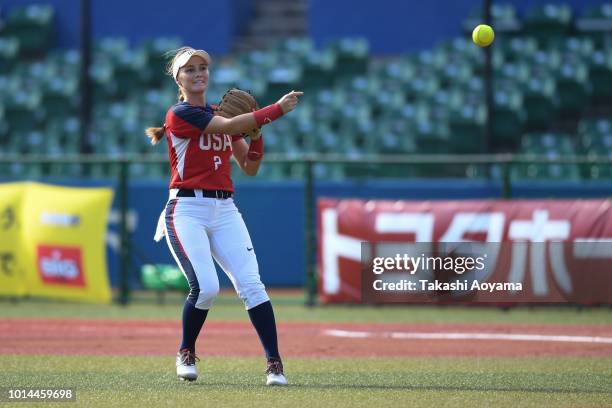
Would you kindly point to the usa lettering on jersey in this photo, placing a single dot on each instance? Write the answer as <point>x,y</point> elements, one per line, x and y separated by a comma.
<point>216,142</point>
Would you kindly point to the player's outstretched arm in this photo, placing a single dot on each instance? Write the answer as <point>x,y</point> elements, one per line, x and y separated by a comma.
<point>247,121</point>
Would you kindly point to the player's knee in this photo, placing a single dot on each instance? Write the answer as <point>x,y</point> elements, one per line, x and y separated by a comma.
<point>253,294</point>
<point>207,296</point>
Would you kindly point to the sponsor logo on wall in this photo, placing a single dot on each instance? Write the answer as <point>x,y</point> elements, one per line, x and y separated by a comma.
<point>61,265</point>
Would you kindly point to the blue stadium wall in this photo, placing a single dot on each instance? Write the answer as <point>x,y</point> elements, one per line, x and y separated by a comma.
<point>391,26</point>
<point>203,24</point>
<point>274,214</point>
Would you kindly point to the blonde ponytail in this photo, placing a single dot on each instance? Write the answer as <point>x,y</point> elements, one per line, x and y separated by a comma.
<point>155,134</point>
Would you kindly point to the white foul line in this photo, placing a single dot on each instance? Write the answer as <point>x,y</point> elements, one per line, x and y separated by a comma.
<point>468,336</point>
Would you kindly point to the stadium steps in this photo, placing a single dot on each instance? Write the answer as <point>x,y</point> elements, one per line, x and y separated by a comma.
<point>272,21</point>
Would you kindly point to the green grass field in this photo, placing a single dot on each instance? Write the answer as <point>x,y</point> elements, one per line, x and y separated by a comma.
<point>322,382</point>
<point>238,382</point>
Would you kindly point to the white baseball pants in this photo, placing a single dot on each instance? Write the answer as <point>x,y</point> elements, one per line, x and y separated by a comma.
<point>199,229</point>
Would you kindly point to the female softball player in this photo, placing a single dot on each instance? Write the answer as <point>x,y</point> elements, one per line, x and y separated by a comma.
<point>201,221</point>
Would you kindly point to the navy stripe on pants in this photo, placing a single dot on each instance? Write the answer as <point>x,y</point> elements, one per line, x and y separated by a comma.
<point>194,287</point>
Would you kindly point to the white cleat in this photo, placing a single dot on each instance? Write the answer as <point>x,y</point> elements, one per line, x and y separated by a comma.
<point>276,379</point>
<point>185,365</point>
<point>274,373</point>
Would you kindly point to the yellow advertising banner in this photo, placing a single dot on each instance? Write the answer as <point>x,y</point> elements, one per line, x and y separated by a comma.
<point>12,258</point>
<point>60,237</point>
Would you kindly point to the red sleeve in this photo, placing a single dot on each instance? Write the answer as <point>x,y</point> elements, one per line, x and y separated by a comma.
<point>235,138</point>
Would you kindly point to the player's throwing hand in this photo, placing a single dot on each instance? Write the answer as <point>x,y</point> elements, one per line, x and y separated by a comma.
<point>289,101</point>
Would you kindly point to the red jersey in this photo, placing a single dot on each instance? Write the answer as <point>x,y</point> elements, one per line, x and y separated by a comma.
<point>197,160</point>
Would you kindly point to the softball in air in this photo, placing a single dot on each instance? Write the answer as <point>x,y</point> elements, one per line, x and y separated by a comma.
<point>483,35</point>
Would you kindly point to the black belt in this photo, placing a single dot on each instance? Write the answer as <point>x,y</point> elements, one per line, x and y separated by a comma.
<point>221,194</point>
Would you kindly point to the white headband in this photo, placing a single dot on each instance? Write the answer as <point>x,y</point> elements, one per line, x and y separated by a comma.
<point>184,57</point>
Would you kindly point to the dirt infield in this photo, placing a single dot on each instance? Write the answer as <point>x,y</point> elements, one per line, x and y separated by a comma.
<point>108,337</point>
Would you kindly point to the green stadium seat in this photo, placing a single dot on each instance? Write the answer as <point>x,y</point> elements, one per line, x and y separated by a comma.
<point>318,71</point>
<point>33,142</point>
<point>299,47</point>
<point>153,104</point>
<point>549,23</point>
<point>518,48</point>
<point>422,86</point>
<point>432,137</point>
<point>131,73</point>
<point>596,22</point>
<point>280,79</point>
<point>539,103</point>
<point>576,49</point>
<point>110,48</point>
<point>467,129</point>
<point>256,85</point>
<point>9,53</point>
<point>507,119</point>
<point>544,63</point>
<point>32,25</point>
<point>595,136</point>
<point>156,51</point>
<point>513,72</point>
<point>600,76</point>
<point>412,113</point>
<point>458,72</point>
<point>470,92</point>
<point>289,136</point>
<point>352,55</point>
<point>601,143</point>
<point>384,101</point>
<point>554,143</point>
<point>400,70</point>
<point>228,74</point>
<point>599,126</point>
<point>572,89</point>
<point>22,111</point>
<point>462,49</point>
<point>104,87</point>
<point>503,17</point>
<point>60,98</point>
<point>325,140</point>
<point>4,140</point>
<point>395,141</point>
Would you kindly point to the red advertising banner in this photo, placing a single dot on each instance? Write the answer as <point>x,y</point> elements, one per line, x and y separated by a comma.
<point>530,250</point>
